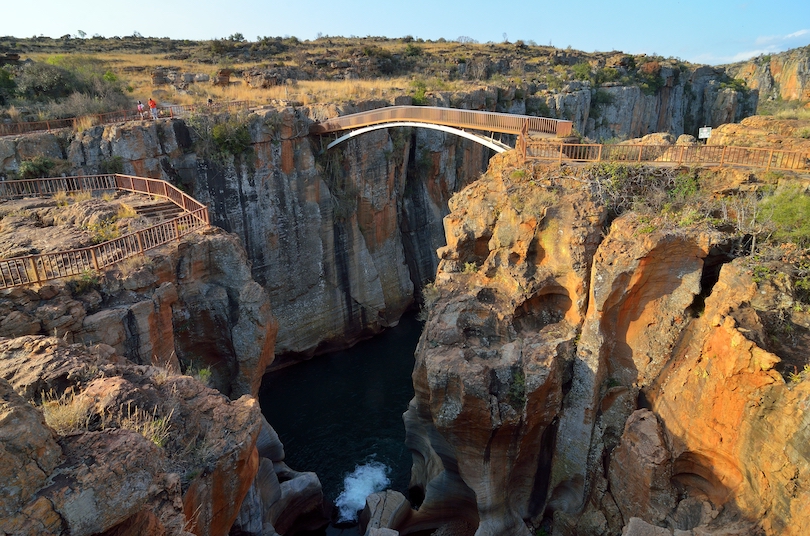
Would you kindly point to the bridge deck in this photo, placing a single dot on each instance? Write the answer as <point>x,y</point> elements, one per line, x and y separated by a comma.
<point>452,117</point>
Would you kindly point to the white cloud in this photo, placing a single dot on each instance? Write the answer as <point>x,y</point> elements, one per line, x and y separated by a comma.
<point>797,34</point>
<point>780,38</point>
<point>714,59</point>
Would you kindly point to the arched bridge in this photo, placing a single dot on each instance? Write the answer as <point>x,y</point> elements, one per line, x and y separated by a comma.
<point>451,120</point>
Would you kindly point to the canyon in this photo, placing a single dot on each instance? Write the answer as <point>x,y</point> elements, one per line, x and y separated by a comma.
<point>581,371</point>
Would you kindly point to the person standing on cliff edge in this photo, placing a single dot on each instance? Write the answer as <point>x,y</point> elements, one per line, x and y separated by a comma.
<point>153,108</point>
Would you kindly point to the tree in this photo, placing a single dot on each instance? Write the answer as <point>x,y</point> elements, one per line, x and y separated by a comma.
<point>81,33</point>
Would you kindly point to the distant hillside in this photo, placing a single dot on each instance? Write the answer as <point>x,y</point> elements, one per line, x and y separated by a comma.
<point>606,94</point>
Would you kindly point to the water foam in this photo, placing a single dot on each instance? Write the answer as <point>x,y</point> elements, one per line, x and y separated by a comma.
<point>363,481</point>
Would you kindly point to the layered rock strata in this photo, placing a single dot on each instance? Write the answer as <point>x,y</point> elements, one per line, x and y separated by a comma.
<point>777,76</point>
<point>194,303</point>
<point>571,376</point>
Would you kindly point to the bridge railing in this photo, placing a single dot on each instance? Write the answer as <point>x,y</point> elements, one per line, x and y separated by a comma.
<point>119,116</point>
<point>44,267</point>
<point>690,155</point>
<point>472,119</point>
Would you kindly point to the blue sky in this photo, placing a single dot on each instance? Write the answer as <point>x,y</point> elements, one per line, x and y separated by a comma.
<point>707,31</point>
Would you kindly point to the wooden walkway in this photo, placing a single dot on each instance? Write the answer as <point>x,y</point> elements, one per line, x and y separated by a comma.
<point>38,269</point>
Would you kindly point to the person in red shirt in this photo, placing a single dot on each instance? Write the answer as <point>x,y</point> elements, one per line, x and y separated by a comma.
<point>153,107</point>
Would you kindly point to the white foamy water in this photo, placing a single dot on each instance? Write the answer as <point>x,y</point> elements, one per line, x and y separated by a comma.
<point>363,481</point>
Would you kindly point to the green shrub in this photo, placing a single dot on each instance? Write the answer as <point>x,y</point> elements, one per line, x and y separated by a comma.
<point>219,136</point>
<point>44,81</point>
<point>114,164</point>
<point>736,84</point>
<point>413,50</point>
<point>231,137</point>
<point>7,86</point>
<point>517,389</point>
<point>41,167</point>
<point>606,74</point>
<point>419,88</point>
<point>686,186</point>
<point>788,213</point>
<point>582,71</point>
<point>85,282</point>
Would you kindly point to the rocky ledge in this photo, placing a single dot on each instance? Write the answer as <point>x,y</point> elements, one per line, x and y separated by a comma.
<point>95,444</point>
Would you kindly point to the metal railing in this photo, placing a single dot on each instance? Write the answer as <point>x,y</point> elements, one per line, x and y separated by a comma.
<point>688,155</point>
<point>120,116</point>
<point>472,119</point>
<point>31,269</point>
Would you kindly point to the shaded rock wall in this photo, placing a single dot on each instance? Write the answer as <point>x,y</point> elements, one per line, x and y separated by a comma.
<point>686,101</point>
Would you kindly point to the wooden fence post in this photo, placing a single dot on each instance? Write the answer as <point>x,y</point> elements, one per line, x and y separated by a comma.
<point>560,157</point>
<point>599,156</point>
<point>770,157</point>
<point>36,272</point>
<point>95,259</point>
<point>723,156</point>
<point>176,229</point>
<point>140,241</point>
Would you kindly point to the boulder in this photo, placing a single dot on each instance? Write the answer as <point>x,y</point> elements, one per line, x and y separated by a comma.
<point>641,469</point>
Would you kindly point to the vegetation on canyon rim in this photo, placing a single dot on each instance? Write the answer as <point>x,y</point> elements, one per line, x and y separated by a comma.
<point>71,77</point>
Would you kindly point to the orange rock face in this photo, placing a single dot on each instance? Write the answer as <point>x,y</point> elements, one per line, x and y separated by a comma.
<point>738,433</point>
<point>138,437</point>
<point>575,377</point>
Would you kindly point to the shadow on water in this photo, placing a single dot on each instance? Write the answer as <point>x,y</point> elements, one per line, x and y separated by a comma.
<point>344,409</point>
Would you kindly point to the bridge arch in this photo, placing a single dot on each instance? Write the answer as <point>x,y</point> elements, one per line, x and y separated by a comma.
<point>496,146</point>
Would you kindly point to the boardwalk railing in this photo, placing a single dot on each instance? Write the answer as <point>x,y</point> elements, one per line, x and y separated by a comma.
<point>44,267</point>
<point>689,155</point>
<point>472,119</point>
<point>120,116</point>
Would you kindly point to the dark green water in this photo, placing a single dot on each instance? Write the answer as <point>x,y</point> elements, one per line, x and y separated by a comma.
<point>344,409</point>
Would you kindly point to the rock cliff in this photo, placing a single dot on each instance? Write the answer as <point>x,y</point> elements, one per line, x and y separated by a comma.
<point>585,378</point>
<point>777,76</point>
<point>193,304</point>
<point>358,225</point>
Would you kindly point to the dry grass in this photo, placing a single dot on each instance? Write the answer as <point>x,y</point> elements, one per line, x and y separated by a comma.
<point>135,71</point>
<point>66,413</point>
<point>78,197</point>
<point>132,264</point>
<point>85,122</point>
<point>125,211</point>
<point>61,198</point>
<point>149,425</point>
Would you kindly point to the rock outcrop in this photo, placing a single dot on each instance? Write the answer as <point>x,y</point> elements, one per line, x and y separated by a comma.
<point>603,381</point>
<point>134,449</point>
<point>497,351</point>
<point>194,303</point>
<point>777,76</point>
